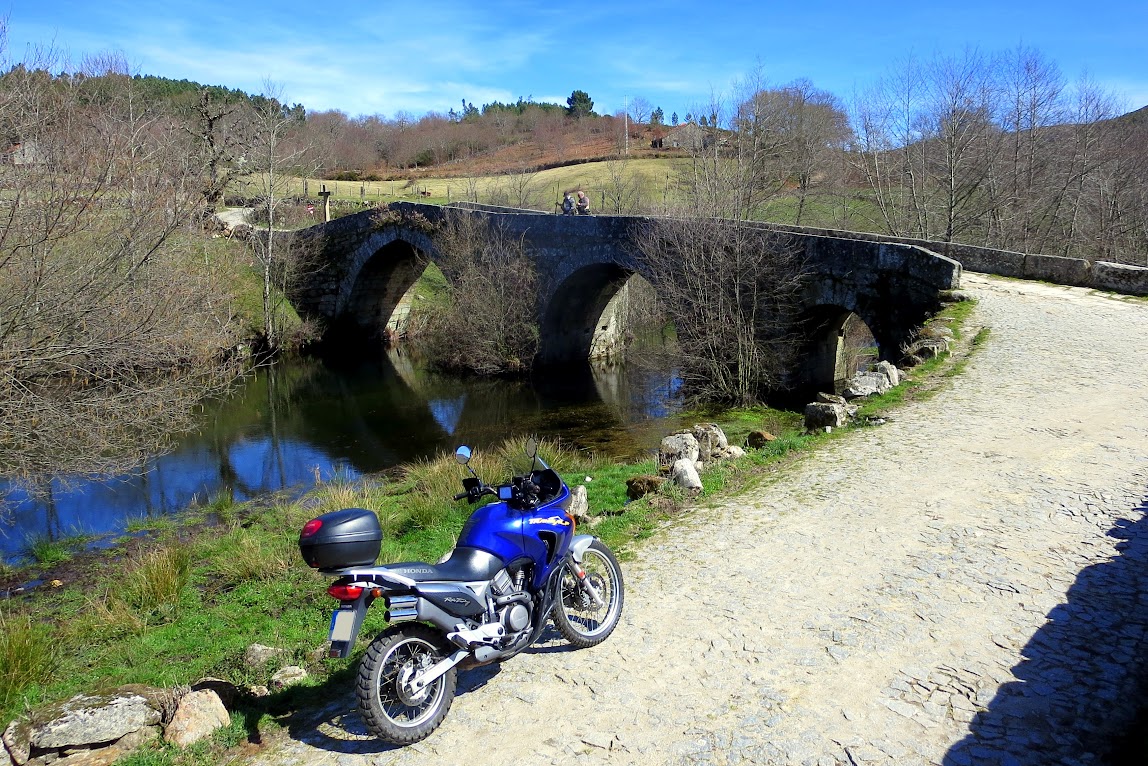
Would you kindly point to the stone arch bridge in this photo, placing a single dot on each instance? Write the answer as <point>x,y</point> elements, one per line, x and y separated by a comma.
<point>367,262</point>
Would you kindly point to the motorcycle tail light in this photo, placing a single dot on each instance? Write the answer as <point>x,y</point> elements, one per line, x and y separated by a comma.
<point>311,527</point>
<point>346,592</point>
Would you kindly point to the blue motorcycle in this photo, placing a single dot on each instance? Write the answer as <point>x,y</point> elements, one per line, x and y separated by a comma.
<point>517,564</point>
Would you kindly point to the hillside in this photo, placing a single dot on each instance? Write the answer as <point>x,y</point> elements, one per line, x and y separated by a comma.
<point>571,147</point>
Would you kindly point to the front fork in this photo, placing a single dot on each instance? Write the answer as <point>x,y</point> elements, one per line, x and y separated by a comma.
<point>577,550</point>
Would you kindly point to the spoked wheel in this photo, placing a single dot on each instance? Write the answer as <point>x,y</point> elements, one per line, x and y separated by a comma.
<point>392,709</point>
<point>579,619</point>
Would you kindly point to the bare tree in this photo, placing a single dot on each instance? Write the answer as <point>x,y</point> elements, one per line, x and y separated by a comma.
<point>489,325</point>
<point>732,291</point>
<point>622,189</point>
<point>775,140</point>
<point>957,127</point>
<point>109,334</point>
<point>273,155</point>
<point>515,189</point>
<point>639,110</point>
<point>817,130</point>
<point>220,136</point>
<point>1026,190</point>
<point>889,152</point>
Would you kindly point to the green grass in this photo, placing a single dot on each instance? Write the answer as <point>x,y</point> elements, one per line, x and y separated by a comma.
<point>27,654</point>
<point>46,551</point>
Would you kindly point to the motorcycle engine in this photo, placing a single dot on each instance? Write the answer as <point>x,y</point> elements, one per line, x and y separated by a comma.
<point>515,616</point>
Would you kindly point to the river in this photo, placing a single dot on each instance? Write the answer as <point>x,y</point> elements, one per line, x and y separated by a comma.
<point>287,426</point>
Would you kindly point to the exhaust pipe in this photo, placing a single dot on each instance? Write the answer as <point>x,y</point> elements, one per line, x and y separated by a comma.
<point>401,609</point>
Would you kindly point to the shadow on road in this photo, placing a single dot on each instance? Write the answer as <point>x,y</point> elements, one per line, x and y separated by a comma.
<point>338,727</point>
<point>1082,672</point>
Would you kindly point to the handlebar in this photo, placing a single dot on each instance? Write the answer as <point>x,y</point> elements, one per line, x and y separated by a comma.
<point>523,489</point>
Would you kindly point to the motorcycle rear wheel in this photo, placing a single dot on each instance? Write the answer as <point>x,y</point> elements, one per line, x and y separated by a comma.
<point>580,621</point>
<point>390,708</point>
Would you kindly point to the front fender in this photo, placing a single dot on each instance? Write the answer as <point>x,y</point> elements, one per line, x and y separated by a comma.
<point>579,545</point>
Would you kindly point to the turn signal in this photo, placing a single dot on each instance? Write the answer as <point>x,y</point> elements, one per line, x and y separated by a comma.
<point>346,592</point>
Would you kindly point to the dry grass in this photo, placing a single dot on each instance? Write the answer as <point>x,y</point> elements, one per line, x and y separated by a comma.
<point>255,555</point>
<point>27,654</point>
<point>152,586</point>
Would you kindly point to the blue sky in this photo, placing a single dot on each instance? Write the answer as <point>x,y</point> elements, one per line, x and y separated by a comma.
<point>385,56</point>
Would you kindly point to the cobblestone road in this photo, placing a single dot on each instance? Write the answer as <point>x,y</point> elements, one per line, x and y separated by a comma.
<point>962,585</point>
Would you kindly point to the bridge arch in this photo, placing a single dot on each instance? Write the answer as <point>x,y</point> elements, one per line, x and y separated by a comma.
<point>379,275</point>
<point>824,357</point>
<point>583,318</point>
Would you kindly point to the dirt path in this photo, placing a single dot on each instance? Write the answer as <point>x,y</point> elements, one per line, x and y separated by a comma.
<point>965,584</point>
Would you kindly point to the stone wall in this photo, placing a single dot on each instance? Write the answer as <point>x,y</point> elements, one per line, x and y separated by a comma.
<point>1078,272</point>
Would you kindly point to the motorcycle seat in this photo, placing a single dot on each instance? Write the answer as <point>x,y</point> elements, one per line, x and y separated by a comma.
<point>464,565</point>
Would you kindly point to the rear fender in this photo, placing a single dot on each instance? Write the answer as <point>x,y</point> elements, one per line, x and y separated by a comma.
<point>345,624</point>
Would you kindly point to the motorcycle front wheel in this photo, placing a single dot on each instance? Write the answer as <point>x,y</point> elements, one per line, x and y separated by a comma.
<point>579,619</point>
<point>390,707</point>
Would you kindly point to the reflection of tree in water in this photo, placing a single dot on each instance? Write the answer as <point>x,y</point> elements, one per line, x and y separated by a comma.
<point>370,415</point>
<point>1080,670</point>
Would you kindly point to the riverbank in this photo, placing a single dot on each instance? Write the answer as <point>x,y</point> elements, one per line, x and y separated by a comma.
<point>181,601</point>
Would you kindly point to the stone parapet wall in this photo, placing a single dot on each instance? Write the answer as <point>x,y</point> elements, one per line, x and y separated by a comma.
<point>1078,272</point>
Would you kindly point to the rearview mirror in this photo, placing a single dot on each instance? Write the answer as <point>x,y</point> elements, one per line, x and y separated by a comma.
<point>531,448</point>
<point>462,455</point>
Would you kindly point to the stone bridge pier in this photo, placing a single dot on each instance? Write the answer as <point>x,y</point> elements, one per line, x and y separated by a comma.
<point>368,262</point>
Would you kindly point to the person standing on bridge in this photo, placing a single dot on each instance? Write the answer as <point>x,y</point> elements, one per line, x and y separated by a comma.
<point>567,205</point>
<point>583,204</point>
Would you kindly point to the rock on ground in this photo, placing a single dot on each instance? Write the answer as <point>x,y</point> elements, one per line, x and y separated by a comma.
<point>199,713</point>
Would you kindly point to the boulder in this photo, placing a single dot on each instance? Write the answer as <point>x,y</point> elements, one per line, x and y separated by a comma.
<point>163,700</point>
<point>90,719</point>
<point>18,741</point>
<point>825,398</point>
<point>953,296</point>
<point>199,713</point>
<point>579,505</point>
<point>685,475</point>
<point>640,486</point>
<point>102,756</point>
<point>710,438</point>
<point>889,370</point>
<point>226,690</point>
<point>286,676</point>
<point>865,384</point>
<point>139,738</point>
<point>925,348</point>
<point>758,439</point>
<point>732,452</point>
<point>820,414</point>
<point>258,655</point>
<point>679,446</point>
